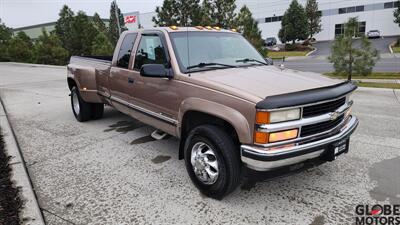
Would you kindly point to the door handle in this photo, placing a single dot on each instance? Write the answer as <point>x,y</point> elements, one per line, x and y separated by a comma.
<point>131,80</point>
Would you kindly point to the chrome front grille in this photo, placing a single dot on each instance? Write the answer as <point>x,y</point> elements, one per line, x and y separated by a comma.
<point>322,108</point>
<point>320,127</point>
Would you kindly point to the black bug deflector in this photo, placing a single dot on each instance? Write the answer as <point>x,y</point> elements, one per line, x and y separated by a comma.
<point>307,96</point>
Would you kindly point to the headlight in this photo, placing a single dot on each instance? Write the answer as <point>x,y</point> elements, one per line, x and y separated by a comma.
<point>277,116</point>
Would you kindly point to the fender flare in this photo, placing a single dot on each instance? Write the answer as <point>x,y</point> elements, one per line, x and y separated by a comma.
<point>232,116</point>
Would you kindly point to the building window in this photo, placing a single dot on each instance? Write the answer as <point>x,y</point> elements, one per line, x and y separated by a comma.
<point>388,5</point>
<point>342,10</point>
<point>352,9</point>
<point>360,8</point>
<point>339,29</point>
<point>273,19</point>
<point>361,27</point>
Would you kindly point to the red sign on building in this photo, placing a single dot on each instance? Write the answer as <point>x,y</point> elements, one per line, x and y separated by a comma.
<point>130,19</point>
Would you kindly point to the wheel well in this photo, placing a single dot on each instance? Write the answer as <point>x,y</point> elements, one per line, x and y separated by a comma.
<point>71,83</point>
<point>192,119</point>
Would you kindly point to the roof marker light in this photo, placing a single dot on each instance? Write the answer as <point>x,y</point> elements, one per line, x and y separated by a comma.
<point>173,27</point>
<point>199,27</point>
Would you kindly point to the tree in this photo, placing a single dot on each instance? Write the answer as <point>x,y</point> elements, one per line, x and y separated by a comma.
<point>248,26</point>
<point>348,59</point>
<point>313,17</point>
<point>48,50</point>
<point>63,27</point>
<point>5,37</point>
<point>219,13</point>
<point>82,35</point>
<point>294,24</point>
<point>178,13</point>
<point>116,18</point>
<point>396,13</point>
<point>20,48</point>
<point>99,24</point>
<point>101,45</point>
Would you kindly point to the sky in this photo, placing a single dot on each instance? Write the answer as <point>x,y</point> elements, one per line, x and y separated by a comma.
<point>21,13</point>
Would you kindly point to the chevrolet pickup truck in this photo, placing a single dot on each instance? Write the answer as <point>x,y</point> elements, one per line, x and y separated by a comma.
<point>213,90</point>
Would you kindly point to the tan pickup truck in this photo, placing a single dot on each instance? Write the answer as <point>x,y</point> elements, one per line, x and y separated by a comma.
<point>210,88</point>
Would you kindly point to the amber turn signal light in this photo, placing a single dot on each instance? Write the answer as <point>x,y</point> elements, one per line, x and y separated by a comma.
<point>262,117</point>
<point>260,137</point>
<point>283,135</point>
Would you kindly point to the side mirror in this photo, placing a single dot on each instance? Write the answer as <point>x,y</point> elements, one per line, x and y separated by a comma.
<point>269,61</point>
<point>155,70</point>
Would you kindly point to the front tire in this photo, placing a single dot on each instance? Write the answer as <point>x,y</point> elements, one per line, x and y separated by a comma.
<point>212,161</point>
<point>81,109</point>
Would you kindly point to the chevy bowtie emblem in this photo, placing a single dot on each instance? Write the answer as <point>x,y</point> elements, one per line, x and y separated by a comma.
<point>334,115</point>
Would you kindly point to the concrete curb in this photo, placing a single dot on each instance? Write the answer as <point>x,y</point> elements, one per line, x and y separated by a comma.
<point>390,47</point>
<point>30,212</point>
<point>315,49</point>
<point>34,65</point>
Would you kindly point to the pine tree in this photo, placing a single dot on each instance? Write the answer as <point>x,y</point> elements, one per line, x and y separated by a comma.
<point>178,13</point>
<point>20,48</point>
<point>99,24</point>
<point>101,46</point>
<point>294,24</point>
<point>218,13</point>
<point>350,60</point>
<point>189,12</point>
<point>396,13</point>
<point>5,37</point>
<point>248,26</point>
<point>313,17</point>
<point>82,35</point>
<point>48,50</point>
<point>63,27</point>
<point>113,30</point>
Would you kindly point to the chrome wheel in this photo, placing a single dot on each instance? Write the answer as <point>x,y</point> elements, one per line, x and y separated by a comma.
<point>75,102</point>
<point>204,163</point>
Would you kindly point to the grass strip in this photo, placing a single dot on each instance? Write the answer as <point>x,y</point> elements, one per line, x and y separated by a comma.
<point>10,202</point>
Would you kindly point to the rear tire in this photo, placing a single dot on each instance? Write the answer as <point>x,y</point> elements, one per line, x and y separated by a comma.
<point>97,110</point>
<point>80,108</point>
<point>212,161</point>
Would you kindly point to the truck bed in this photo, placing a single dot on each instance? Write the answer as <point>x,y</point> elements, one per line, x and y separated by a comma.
<point>100,59</point>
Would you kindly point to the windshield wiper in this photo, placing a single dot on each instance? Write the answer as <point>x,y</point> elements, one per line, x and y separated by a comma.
<point>200,65</point>
<point>245,60</point>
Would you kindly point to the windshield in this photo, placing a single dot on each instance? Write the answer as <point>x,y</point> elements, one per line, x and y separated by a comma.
<point>212,47</point>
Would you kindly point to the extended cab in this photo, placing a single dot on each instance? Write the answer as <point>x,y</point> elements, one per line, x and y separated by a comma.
<point>210,88</point>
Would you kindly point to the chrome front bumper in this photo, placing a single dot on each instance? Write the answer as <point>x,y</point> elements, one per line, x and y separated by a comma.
<point>263,159</point>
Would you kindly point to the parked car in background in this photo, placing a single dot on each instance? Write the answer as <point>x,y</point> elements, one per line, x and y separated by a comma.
<point>271,41</point>
<point>374,34</point>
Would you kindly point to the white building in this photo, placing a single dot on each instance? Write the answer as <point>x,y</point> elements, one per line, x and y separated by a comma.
<point>372,14</point>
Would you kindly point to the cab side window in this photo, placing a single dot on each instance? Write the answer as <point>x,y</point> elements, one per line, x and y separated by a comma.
<point>150,51</point>
<point>125,50</point>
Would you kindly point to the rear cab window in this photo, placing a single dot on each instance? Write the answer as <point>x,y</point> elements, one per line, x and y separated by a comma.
<point>125,50</point>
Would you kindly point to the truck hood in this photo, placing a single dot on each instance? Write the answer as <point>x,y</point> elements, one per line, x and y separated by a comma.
<point>261,81</point>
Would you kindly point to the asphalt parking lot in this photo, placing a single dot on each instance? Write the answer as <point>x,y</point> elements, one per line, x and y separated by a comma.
<point>111,172</point>
<point>381,44</point>
<point>318,62</point>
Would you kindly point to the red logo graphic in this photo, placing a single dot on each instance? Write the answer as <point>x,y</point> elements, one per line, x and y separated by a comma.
<point>130,19</point>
